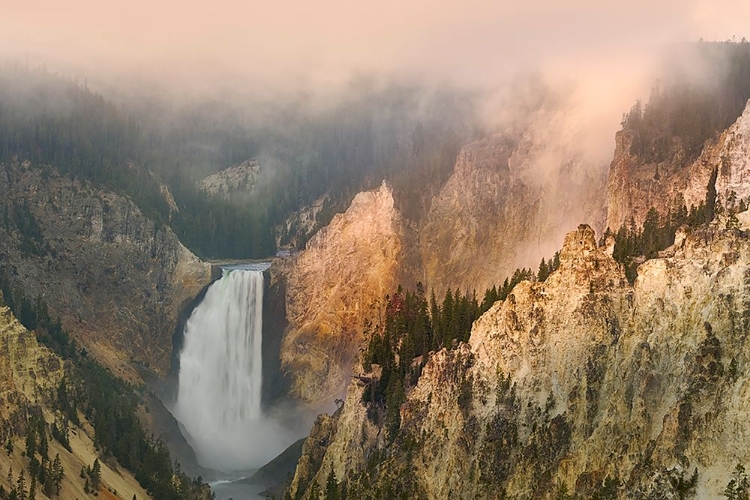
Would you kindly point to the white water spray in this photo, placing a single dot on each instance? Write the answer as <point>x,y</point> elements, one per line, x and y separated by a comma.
<point>219,398</point>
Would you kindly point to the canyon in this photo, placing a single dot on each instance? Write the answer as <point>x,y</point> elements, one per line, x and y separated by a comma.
<point>581,381</point>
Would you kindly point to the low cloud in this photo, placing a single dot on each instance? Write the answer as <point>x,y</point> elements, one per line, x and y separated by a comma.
<point>322,44</point>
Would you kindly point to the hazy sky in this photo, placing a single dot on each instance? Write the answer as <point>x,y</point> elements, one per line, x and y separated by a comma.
<point>285,42</point>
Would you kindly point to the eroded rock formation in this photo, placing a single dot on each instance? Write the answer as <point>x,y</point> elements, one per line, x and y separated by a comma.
<point>116,279</point>
<point>237,178</point>
<point>30,375</point>
<point>570,382</point>
<point>635,186</point>
<point>334,286</point>
<point>508,204</point>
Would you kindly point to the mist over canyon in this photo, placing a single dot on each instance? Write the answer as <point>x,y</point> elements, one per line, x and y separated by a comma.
<point>436,251</point>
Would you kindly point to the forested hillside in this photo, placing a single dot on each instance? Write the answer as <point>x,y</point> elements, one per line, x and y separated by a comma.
<point>398,133</point>
<point>684,111</point>
<point>53,121</point>
<point>106,403</point>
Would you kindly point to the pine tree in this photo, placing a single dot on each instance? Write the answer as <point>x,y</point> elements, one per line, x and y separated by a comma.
<point>96,475</point>
<point>739,486</point>
<point>556,261</point>
<point>505,290</point>
<point>331,492</point>
<point>494,296</point>
<point>315,490</point>
<point>650,235</point>
<point>32,488</point>
<point>343,494</point>
<point>48,485</point>
<point>43,445</point>
<point>395,396</point>
<point>732,222</point>
<point>543,272</point>
<point>21,485</point>
<point>42,472</point>
<point>57,473</point>
<point>447,319</point>
<point>30,441</point>
<point>711,196</point>
<point>419,330</point>
<point>436,322</point>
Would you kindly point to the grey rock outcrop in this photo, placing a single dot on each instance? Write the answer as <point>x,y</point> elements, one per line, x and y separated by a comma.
<point>116,279</point>
<point>237,178</point>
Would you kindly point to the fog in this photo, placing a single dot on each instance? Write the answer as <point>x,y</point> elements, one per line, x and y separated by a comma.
<point>178,53</point>
<point>274,80</point>
<point>293,45</point>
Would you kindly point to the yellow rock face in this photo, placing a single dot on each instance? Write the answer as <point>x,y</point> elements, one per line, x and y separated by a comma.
<point>576,379</point>
<point>346,268</point>
<point>27,370</point>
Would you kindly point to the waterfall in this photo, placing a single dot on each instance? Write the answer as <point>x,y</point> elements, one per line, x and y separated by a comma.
<point>219,397</point>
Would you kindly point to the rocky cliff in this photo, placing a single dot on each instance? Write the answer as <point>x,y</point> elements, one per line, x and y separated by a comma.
<point>237,178</point>
<point>634,186</point>
<point>29,378</point>
<point>581,383</point>
<point>115,278</point>
<point>509,203</point>
<point>294,231</point>
<point>332,286</point>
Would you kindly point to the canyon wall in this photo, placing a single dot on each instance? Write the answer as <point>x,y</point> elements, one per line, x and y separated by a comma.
<point>115,278</point>
<point>334,287</point>
<point>579,383</point>
<point>30,375</point>
<point>634,186</point>
<point>509,203</point>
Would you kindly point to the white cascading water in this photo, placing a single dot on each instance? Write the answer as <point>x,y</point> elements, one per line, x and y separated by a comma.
<point>219,398</point>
